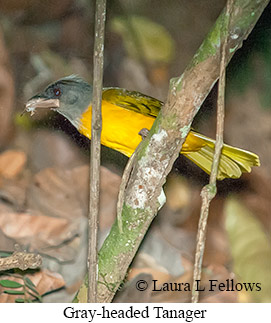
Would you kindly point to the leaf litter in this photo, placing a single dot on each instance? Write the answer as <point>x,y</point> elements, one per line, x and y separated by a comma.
<point>46,212</point>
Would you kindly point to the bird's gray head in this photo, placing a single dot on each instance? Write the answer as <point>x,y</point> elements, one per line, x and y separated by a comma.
<point>70,96</point>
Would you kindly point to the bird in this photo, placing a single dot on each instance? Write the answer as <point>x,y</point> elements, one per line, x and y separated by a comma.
<point>124,114</point>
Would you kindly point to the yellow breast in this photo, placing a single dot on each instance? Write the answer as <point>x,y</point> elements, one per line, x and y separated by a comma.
<point>120,127</point>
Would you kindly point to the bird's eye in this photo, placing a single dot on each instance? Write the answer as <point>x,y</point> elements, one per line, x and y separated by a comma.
<point>57,91</point>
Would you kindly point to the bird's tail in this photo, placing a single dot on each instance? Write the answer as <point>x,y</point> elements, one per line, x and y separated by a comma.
<point>233,161</point>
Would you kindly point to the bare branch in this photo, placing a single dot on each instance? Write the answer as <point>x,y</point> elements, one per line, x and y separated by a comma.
<point>209,191</point>
<point>21,260</point>
<point>95,157</point>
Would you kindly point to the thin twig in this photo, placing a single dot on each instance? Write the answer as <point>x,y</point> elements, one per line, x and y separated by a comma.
<point>123,184</point>
<point>95,158</point>
<point>209,191</point>
<point>125,178</point>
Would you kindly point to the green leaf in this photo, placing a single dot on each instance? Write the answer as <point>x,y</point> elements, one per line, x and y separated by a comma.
<point>29,282</point>
<point>10,284</point>
<point>19,300</point>
<point>36,297</point>
<point>5,254</point>
<point>14,292</point>
<point>30,285</point>
<point>250,249</point>
<point>36,293</point>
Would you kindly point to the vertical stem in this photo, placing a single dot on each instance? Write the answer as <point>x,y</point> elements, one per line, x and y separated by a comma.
<point>95,157</point>
<point>209,191</point>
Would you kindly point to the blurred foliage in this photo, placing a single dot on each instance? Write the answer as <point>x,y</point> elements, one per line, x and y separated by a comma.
<point>23,121</point>
<point>144,38</point>
<point>250,248</point>
<point>251,66</point>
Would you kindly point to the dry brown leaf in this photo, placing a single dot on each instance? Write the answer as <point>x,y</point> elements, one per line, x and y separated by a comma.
<point>49,148</point>
<point>47,281</point>
<point>57,203</point>
<point>64,193</point>
<point>13,193</point>
<point>12,163</point>
<point>36,230</point>
<point>44,280</point>
<point>59,192</point>
<point>66,252</point>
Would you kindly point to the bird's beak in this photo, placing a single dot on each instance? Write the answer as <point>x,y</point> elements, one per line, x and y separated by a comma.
<point>40,103</point>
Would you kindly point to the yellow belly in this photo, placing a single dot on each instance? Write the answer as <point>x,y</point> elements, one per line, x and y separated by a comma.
<point>120,127</point>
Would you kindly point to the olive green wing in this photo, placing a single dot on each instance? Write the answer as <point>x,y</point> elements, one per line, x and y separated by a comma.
<point>132,100</point>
